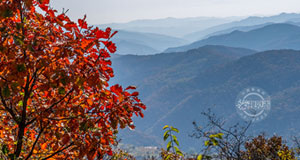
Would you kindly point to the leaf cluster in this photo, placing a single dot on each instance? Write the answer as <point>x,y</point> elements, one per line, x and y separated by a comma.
<point>172,144</point>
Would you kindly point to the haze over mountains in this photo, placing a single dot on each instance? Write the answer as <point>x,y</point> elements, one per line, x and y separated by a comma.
<point>177,27</point>
<point>273,36</point>
<point>184,81</point>
<point>146,37</point>
<point>193,29</point>
<point>137,43</point>
<point>250,21</point>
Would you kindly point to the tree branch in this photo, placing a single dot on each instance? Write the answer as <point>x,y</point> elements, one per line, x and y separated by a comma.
<point>54,104</point>
<point>35,142</point>
<point>11,112</point>
<point>23,119</point>
<point>64,148</point>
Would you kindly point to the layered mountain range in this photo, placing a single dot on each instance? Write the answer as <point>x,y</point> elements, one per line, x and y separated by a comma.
<point>177,87</point>
<point>138,43</point>
<point>273,36</point>
<point>180,83</point>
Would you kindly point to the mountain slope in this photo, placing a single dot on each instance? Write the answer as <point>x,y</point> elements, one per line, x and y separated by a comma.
<point>210,55</point>
<point>237,28</point>
<point>144,43</point>
<point>155,73</point>
<point>178,90</point>
<point>274,36</point>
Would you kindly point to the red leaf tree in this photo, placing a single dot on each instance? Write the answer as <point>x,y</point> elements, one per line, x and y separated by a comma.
<point>55,99</point>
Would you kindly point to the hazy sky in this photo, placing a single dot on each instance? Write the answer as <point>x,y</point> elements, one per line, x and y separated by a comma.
<point>107,11</point>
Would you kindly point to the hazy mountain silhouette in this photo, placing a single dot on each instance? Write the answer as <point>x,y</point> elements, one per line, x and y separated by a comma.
<point>246,28</point>
<point>177,27</point>
<point>144,43</point>
<point>250,21</point>
<point>274,36</point>
<point>238,28</point>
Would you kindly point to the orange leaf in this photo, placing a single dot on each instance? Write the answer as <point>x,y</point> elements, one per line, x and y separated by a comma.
<point>32,135</point>
<point>90,102</point>
<point>1,134</point>
<point>29,101</point>
<point>43,146</point>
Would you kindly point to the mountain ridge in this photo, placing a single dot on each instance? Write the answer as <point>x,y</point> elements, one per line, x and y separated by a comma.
<point>170,26</point>
<point>274,36</point>
<point>249,21</point>
<point>139,43</point>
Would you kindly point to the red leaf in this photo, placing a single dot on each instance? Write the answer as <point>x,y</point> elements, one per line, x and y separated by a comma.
<point>115,32</point>
<point>110,153</point>
<point>110,46</point>
<point>108,30</point>
<point>143,106</point>
<point>61,17</point>
<point>82,23</point>
<point>45,1</point>
<point>44,7</point>
<point>130,87</point>
<point>70,25</point>
<point>87,43</point>
<point>100,34</point>
<point>141,114</point>
<point>51,13</point>
<point>135,94</point>
<point>116,89</point>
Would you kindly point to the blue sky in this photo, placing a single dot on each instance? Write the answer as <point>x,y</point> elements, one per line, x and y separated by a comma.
<point>107,11</point>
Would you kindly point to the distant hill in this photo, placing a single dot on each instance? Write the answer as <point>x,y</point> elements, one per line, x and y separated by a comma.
<point>247,28</point>
<point>154,74</point>
<point>274,36</point>
<point>152,64</point>
<point>137,43</point>
<point>250,21</point>
<point>177,87</point>
<point>177,27</point>
<point>237,28</point>
<point>128,47</point>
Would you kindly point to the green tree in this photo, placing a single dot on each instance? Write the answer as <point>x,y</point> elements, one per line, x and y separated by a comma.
<point>172,152</point>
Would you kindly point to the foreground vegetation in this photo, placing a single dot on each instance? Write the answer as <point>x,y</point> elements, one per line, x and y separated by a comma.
<point>55,100</point>
<point>226,143</point>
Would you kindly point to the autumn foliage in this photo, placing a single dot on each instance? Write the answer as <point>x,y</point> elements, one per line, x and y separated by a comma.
<point>261,147</point>
<point>56,102</point>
